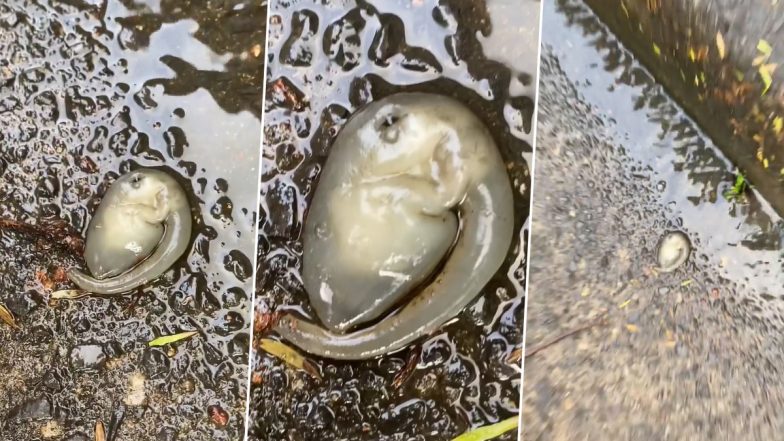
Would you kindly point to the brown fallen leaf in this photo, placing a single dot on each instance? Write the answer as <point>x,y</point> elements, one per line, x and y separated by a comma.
<point>100,432</point>
<point>263,322</point>
<point>218,416</point>
<point>516,357</point>
<point>60,275</point>
<point>256,378</point>
<point>44,280</point>
<point>8,317</point>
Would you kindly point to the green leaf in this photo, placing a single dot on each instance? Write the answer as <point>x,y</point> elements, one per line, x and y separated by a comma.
<point>167,339</point>
<point>738,188</point>
<point>489,432</point>
<point>740,183</point>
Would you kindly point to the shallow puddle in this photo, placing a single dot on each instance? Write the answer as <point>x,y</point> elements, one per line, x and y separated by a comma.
<point>327,59</point>
<point>89,90</point>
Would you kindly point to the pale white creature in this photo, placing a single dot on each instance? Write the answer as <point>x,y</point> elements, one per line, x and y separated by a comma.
<point>142,226</point>
<point>674,250</point>
<point>413,210</point>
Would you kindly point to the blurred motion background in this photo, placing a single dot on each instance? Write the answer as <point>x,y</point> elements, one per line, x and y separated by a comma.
<point>692,354</point>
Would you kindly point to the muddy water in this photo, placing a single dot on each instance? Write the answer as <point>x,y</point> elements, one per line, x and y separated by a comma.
<point>88,91</point>
<point>327,59</point>
<point>693,354</point>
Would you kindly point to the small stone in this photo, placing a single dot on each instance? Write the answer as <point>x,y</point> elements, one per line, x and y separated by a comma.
<point>35,409</point>
<point>9,19</point>
<point>51,429</point>
<point>88,357</point>
<point>166,434</point>
<point>136,394</point>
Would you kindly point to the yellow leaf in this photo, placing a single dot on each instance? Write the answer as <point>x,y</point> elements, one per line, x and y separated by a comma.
<point>656,50</point>
<point>778,124</point>
<point>100,432</point>
<point>69,294</point>
<point>767,79</point>
<point>764,47</point>
<point>624,304</point>
<point>585,292</point>
<point>8,317</point>
<point>692,55</point>
<point>765,163</point>
<point>686,282</point>
<point>167,339</point>
<point>487,433</point>
<point>720,45</point>
<point>288,356</point>
<point>632,328</point>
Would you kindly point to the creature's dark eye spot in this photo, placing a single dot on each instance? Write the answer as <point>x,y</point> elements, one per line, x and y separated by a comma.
<point>389,121</point>
<point>136,180</point>
<point>388,126</point>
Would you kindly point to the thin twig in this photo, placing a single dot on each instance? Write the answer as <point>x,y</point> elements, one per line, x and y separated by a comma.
<point>408,369</point>
<point>53,232</point>
<point>530,352</point>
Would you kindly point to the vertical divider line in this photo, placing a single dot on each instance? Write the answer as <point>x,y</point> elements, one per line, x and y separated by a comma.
<point>534,126</point>
<point>252,306</point>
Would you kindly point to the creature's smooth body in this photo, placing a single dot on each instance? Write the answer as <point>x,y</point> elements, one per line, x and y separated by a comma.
<point>674,250</point>
<point>141,228</point>
<point>414,183</point>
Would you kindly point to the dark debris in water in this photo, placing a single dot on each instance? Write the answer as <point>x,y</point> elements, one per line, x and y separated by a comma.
<point>327,60</point>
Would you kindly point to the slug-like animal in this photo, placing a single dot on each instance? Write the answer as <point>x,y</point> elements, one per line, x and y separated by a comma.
<point>414,185</point>
<point>674,250</point>
<point>141,227</point>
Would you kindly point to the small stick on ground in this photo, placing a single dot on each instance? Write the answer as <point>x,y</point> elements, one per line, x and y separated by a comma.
<point>50,232</point>
<point>405,372</point>
<point>530,352</point>
<point>136,298</point>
